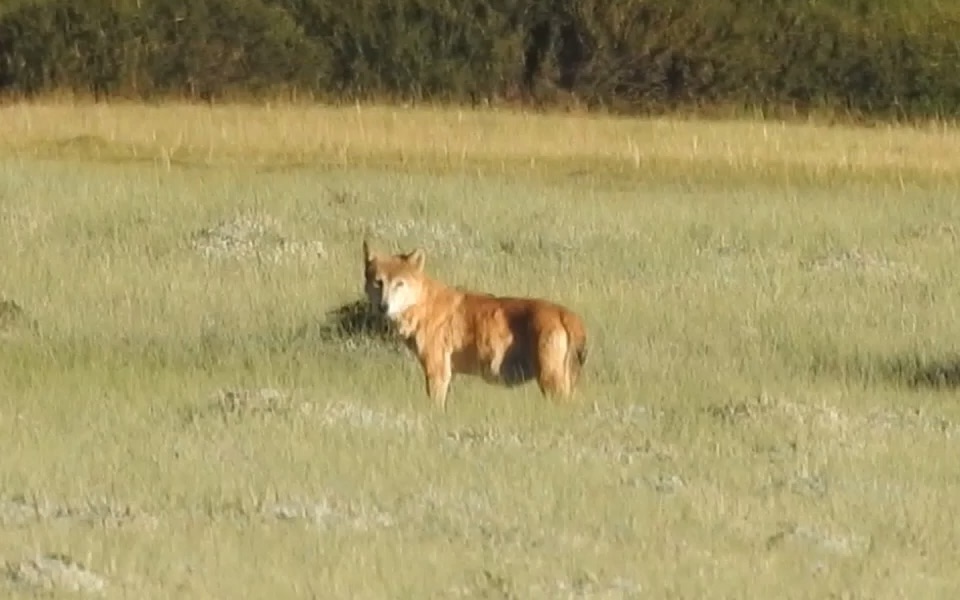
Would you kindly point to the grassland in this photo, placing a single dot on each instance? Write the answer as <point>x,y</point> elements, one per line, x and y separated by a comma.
<point>769,411</point>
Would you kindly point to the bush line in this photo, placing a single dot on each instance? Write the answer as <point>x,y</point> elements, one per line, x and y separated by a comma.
<point>898,58</point>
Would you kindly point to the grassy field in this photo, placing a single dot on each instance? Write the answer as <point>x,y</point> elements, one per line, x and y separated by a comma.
<point>769,409</point>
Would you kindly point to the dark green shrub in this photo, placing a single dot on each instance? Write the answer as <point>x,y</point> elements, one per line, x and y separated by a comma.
<point>885,59</point>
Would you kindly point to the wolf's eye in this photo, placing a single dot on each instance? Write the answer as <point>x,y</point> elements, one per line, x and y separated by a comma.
<point>378,283</point>
<point>399,284</point>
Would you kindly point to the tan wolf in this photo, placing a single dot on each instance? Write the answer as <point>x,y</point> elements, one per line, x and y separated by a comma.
<point>506,341</point>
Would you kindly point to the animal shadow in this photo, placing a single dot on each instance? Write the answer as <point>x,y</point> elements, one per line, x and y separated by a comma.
<point>353,325</point>
<point>911,370</point>
<point>357,319</point>
<point>923,372</point>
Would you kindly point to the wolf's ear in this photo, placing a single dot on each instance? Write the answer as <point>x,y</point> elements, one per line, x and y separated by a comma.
<point>417,258</point>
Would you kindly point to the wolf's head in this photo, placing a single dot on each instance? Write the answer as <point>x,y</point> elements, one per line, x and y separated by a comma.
<point>393,282</point>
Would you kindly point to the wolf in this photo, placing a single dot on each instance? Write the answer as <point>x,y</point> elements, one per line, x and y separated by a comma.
<point>504,340</point>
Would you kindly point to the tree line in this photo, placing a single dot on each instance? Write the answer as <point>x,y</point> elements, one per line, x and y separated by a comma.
<point>893,58</point>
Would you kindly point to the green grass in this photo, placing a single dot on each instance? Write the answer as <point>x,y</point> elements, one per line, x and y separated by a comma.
<point>769,409</point>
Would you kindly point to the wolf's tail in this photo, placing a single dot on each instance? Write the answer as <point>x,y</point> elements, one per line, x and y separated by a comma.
<point>576,347</point>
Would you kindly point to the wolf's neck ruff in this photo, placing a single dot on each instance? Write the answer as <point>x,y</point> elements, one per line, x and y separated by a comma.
<point>408,322</point>
<point>406,325</point>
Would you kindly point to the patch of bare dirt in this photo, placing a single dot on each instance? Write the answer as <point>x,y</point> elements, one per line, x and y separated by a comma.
<point>55,572</point>
<point>253,237</point>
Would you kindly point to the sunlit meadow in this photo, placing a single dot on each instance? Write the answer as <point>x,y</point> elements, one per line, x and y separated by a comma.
<point>769,410</point>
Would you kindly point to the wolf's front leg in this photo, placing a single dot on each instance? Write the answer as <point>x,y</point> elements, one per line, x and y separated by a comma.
<point>437,372</point>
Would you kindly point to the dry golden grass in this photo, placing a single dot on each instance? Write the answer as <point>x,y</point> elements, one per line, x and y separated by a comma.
<point>438,137</point>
